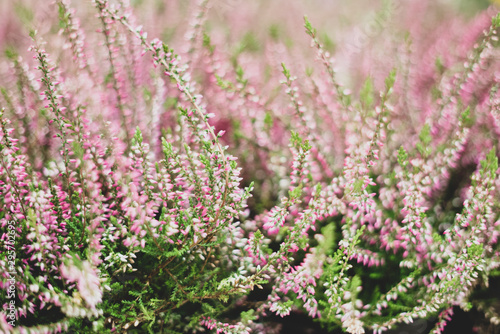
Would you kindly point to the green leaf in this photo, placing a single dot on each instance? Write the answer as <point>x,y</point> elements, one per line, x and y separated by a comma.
<point>295,139</point>
<point>78,149</point>
<point>329,44</point>
<point>258,236</point>
<point>239,73</point>
<point>25,14</point>
<point>295,193</point>
<point>475,251</point>
<point>425,139</point>
<point>466,118</point>
<point>249,43</point>
<point>439,65</point>
<point>495,21</point>
<point>167,148</point>
<point>274,32</point>
<point>247,316</point>
<point>268,119</point>
<point>402,157</point>
<point>309,28</point>
<point>183,111</point>
<point>366,94</point>
<point>389,81</point>
<point>306,146</point>
<point>309,71</point>
<point>11,53</point>
<point>490,164</point>
<point>286,72</point>
<point>425,134</point>
<point>224,84</point>
<point>137,137</point>
<point>207,43</point>
<point>358,186</point>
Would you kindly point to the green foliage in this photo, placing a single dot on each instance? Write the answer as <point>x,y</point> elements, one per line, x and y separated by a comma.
<point>249,43</point>
<point>367,94</point>
<point>489,166</point>
<point>137,140</point>
<point>495,21</point>
<point>167,148</point>
<point>423,146</point>
<point>402,157</point>
<point>24,13</point>
<point>439,65</point>
<point>309,28</point>
<point>390,80</point>
<point>207,43</point>
<point>299,143</point>
<point>466,118</point>
<point>286,71</point>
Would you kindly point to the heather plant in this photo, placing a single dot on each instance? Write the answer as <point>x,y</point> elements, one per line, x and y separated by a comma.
<point>191,175</point>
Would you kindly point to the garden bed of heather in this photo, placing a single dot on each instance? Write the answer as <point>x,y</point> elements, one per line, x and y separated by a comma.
<point>234,166</point>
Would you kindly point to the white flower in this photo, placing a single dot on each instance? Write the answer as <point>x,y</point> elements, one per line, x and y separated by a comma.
<point>353,326</point>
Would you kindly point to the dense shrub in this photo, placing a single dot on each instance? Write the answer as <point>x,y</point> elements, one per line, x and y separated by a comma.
<point>231,175</point>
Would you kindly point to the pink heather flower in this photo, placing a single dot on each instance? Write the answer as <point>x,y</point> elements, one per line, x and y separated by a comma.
<point>87,281</point>
<point>5,327</point>
<point>68,163</point>
<point>225,328</point>
<point>280,308</point>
